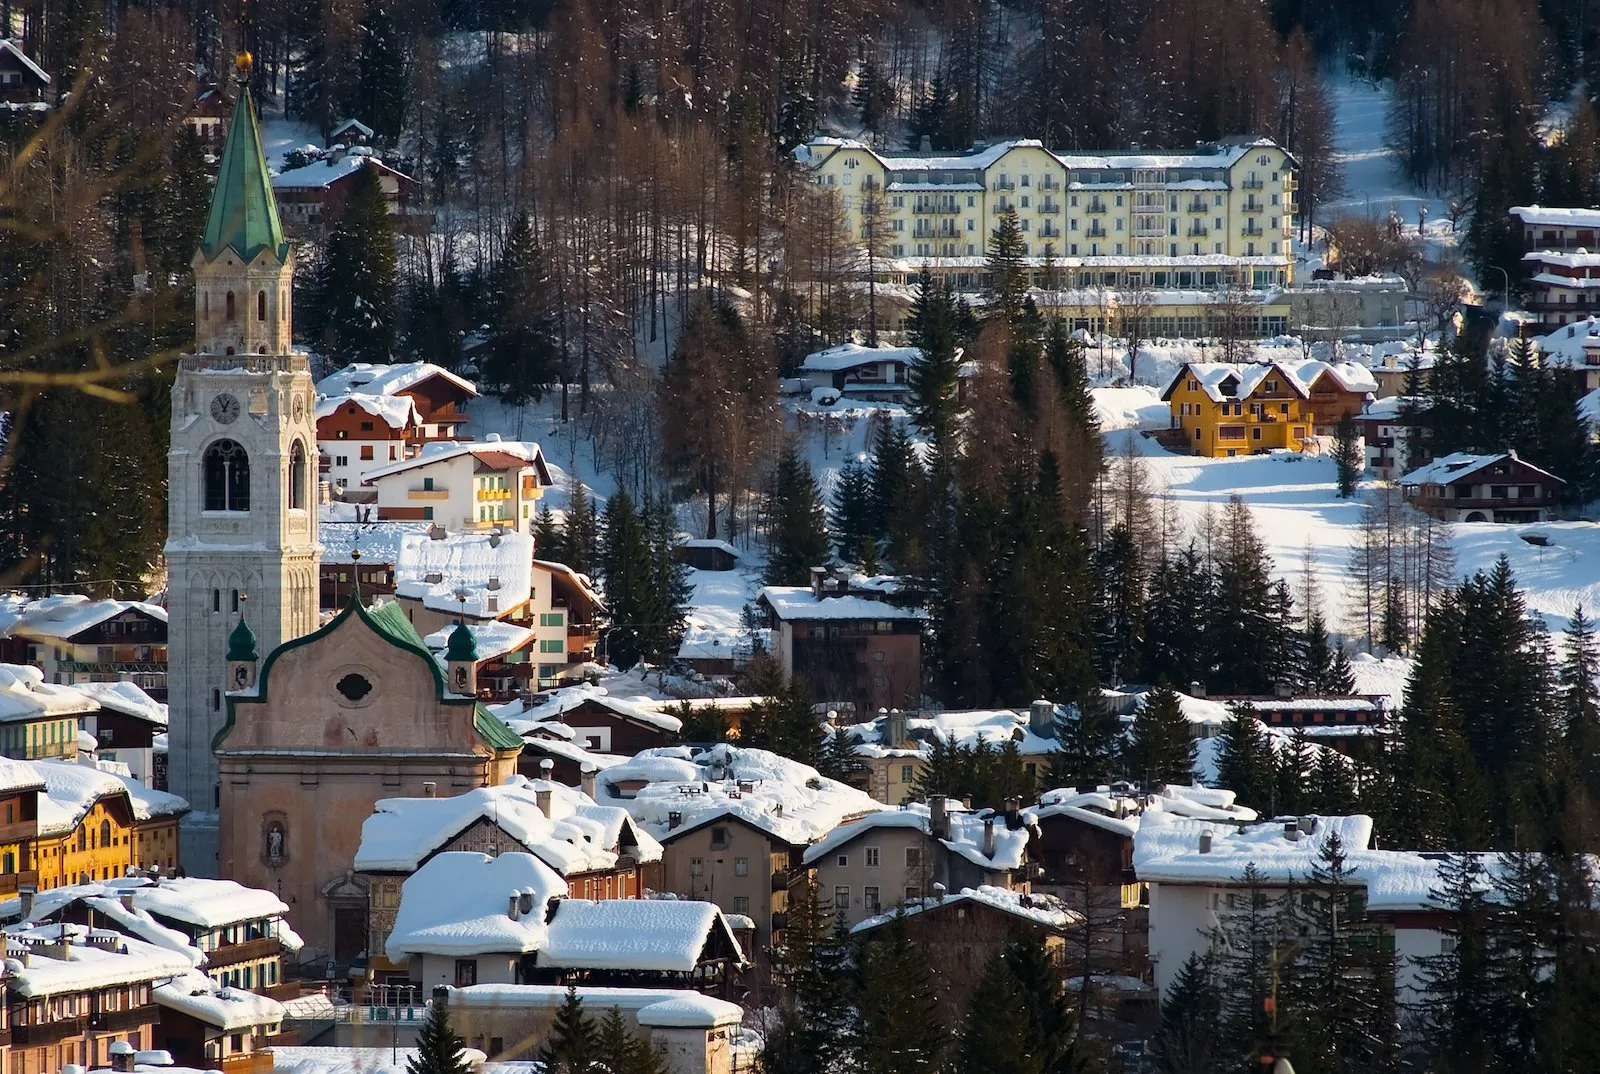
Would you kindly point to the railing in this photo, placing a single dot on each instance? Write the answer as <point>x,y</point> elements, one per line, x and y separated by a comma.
<point>258,1062</point>
<point>250,363</point>
<point>1197,206</point>
<point>1251,205</point>
<point>1251,231</point>
<point>1049,232</point>
<point>49,1032</point>
<point>1199,231</point>
<point>115,1021</point>
<point>1253,184</point>
<point>1290,183</point>
<point>427,494</point>
<point>1004,184</point>
<point>1048,206</point>
<point>245,951</point>
<point>1097,207</point>
<point>1096,233</point>
<point>10,882</point>
<point>948,208</point>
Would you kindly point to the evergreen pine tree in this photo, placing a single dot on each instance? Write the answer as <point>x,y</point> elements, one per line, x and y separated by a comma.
<point>1292,768</point>
<point>1580,700</point>
<point>572,1046</point>
<point>1189,1040</point>
<point>1462,1013</point>
<point>1347,455</point>
<point>932,330</point>
<point>619,1050</point>
<point>524,342</point>
<point>1160,749</point>
<point>356,286</point>
<point>1088,745</point>
<point>1005,264</point>
<point>626,573</point>
<point>440,1050</point>
<point>851,519</point>
<point>580,530</point>
<point>898,1029</point>
<point>995,1036</point>
<point>798,537</point>
<point>1341,681</point>
<point>1333,789</point>
<point>547,543</point>
<point>1245,762</point>
<point>1177,641</point>
<point>669,589</point>
<point>1052,1032</point>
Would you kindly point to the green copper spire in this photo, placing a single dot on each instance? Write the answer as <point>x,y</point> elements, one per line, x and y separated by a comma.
<point>242,642</point>
<point>463,646</point>
<point>244,215</point>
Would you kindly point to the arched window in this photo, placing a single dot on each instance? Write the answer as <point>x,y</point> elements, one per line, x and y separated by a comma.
<point>216,600</point>
<point>235,600</point>
<point>83,838</point>
<point>297,476</point>
<point>216,700</point>
<point>226,470</point>
<point>230,306</point>
<point>261,305</point>
<point>105,833</point>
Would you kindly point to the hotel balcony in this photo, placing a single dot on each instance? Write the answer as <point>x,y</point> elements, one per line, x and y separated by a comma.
<point>1097,206</point>
<point>1196,206</point>
<point>427,494</point>
<point>1252,231</point>
<point>936,208</point>
<point>1252,184</point>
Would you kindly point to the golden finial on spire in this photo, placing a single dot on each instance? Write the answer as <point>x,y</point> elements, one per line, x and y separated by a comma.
<point>242,63</point>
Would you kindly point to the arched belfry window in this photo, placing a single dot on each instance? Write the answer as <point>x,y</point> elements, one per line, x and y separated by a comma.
<point>231,313</point>
<point>261,305</point>
<point>297,476</point>
<point>226,470</point>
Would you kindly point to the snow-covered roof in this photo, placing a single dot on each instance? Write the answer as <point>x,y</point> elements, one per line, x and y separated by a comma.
<point>1568,346</point>
<point>373,379</point>
<point>789,801</point>
<point>1221,155</point>
<point>650,1006</point>
<point>800,602</point>
<point>494,453</point>
<point>966,834</point>
<point>1538,214</point>
<point>9,45</point>
<point>457,904</point>
<point>631,934</point>
<point>320,174</point>
<point>1122,814</point>
<point>72,789</point>
<point>1391,407</point>
<point>1046,910</point>
<point>126,698</point>
<point>492,637</point>
<point>1457,465</point>
<point>216,1005</point>
<point>961,727</point>
<point>580,836</point>
<point>852,355</point>
<point>712,542</point>
<point>352,125</point>
<point>481,565</point>
<point>581,582</point>
<point>66,616</point>
<point>1350,376</point>
<point>113,959</point>
<point>395,411</point>
<point>24,695</point>
<point>557,703</point>
<point>378,542</point>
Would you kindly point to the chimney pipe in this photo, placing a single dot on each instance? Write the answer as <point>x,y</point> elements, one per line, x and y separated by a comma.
<point>127,901</point>
<point>988,837</point>
<point>1291,831</point>
<point>430,789</point>
<point>543,797</point>
<point>25,899</point>
<point>586,778</point>
<point>1205,842</point>
<point>1041,719</point>
<point>525,901</point>
<point>1308,825</point>
<point>513,905</point>
<point>938,819</point>
<point>674,818</point>
<point>546,766</point>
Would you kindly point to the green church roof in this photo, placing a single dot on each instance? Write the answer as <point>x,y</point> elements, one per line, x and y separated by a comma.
<point>494,731</point>
<point>244,216</point>
<point>463,645</point>
<point>242,642</point>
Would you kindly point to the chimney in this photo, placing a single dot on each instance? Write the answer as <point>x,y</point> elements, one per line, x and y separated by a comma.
<point>514,905</point>
<point>938,819</point>
<point>546,766</point>
<point>1041,719</point>
<point>121,1055</point>
<point>1197,688</point>
<point>1205,842</point>
<point>543,797</point>
<point>1283,689</point>
<point>525,901</point>
<point>988,837</point>
<point>25,899</point>
<point>895,728</point>
<point>1013,814</point>
<point>1308,825</point>
<point>586,778</point>
<point>430,789</point>
<point>926,145</point>
<point>127,901</point>
<point>674,819</point>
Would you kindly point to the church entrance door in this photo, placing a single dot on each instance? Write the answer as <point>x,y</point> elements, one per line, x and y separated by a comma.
<point>349,933</point>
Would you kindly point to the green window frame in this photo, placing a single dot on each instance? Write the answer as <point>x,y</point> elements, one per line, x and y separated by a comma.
<point>552,645</point>
<point>552,618</point>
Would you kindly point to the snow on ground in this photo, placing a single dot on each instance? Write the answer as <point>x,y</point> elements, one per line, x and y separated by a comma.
<point>716,613</point>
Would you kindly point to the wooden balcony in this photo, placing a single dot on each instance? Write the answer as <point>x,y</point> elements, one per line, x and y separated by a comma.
<point>427,494</point>
<point>51,1032</point>
<point>117,1021</point>
<point>246,951</point>
<point>259,1062</point>
<point>10,882</point>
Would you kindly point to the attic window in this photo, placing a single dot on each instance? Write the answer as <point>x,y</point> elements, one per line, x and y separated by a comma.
<point>354,687</point>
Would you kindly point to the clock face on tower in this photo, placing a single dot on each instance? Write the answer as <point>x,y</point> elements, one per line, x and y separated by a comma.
<point>224,408</point>
<point>299,409</point>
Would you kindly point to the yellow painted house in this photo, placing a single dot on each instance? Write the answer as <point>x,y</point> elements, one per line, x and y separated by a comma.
<point>1226,410</point>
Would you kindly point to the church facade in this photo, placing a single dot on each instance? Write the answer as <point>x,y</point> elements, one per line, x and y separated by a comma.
<point>241,469</point>
<point>354,712</point>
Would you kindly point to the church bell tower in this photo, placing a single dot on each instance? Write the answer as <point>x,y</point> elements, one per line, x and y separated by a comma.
<point>241,471</point>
